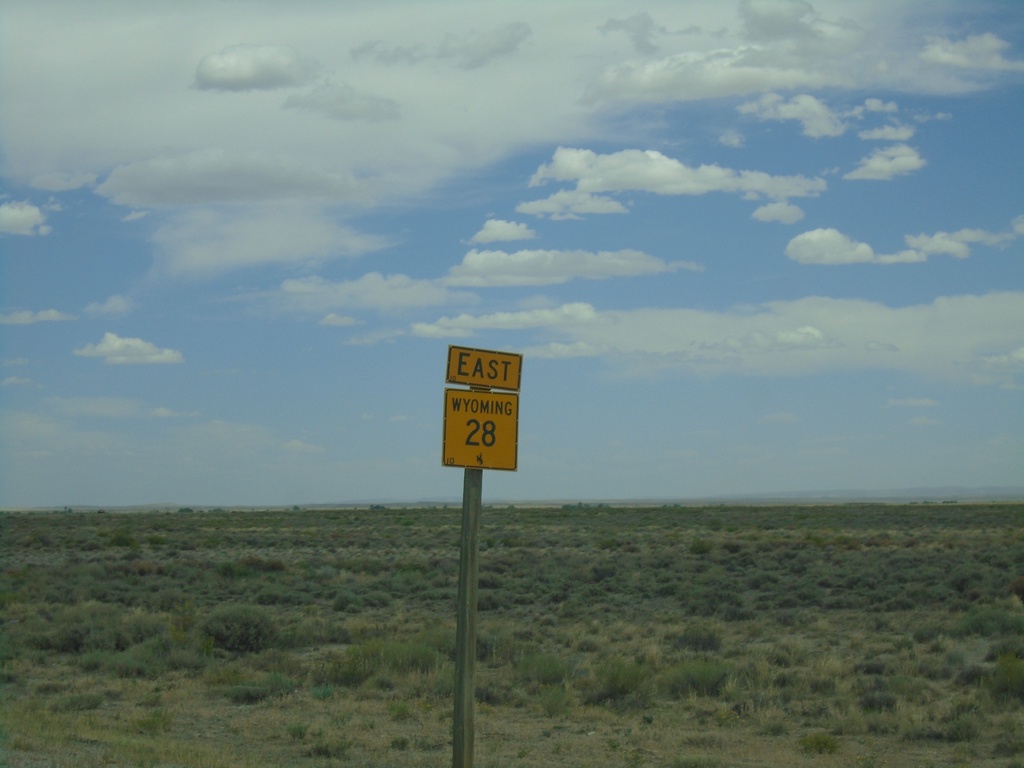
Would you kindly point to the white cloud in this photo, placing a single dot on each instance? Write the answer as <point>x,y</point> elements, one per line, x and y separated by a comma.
<point>58,181</point>
<point>884,164</point>
<point>207,242</point>
<point>371,291</point>
<point>562,317</point>
<point>703,75</point>
<point>302,448</point>
<point>15,381</point>
<point>116,350</point>
<point>877,105</point>
<point>216,176</point>
<point>817,119</point>
<point>22,218</point>
<point>476,49</point>
<point>343,102</point>
<point>571,204</point>
<point>252,67</point>
<point>913,402</point>
<point>950,337</point>
<point>651,171</point>
<point>338,321</point>
<point>640,28</point>
<point>499,230</point>
<point>27,317</point>
<point>732,138</point>
<point>981,52</point>
<point>1012,359</point>
<point>541,267</point>
<point>888,133</point>
<point>114,305</point>
<point>785,213</point>
<point>956,243</point>
<point>830,246</point>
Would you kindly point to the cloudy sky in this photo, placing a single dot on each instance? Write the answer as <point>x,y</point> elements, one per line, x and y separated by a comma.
<point>744,247</point>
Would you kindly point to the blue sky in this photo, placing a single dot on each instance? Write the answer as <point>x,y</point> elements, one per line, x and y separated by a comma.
<point>755,247</point>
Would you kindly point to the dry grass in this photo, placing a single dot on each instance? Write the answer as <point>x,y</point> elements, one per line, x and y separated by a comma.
<point>791,637</point>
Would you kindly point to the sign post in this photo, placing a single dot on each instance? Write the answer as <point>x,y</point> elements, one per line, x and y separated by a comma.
<point>481,431</point>
<point>465,634</point>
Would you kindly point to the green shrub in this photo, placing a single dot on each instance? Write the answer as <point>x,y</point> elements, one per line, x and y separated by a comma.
<point>1007,680</point>
<point>700,547</point>
<point>555,700</point>
<point>621,682</point>
<point>992,620</point>
<point>271,686</point>
<point>704,678</point>
<point>337,748</point>
<point>240,629</point>
<point>819,744</point>
<point>698,637</point>
<point>360,662</point>
<point>545,668</point>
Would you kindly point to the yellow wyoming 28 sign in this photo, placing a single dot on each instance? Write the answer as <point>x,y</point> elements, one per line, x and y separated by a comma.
<point>481,429</point>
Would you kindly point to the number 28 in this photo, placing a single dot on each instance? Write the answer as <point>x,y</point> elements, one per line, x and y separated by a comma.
<point>485,432</point>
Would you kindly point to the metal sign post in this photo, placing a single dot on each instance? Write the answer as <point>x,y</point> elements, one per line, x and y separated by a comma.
<point>481,431</point>
<point>465,637</point>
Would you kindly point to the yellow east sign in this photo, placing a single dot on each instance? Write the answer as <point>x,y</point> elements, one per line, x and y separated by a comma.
<point>484,368</point>
<point>481,429</point>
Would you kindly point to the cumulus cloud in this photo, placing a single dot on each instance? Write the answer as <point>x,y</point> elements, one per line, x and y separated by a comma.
<point>958,243</point>
<point>114,305</point>
<point>887,163</point>
<point>815,117</point>
<point>343,102</point>
<point>115,350</point>
<point>888,133</point>
<point>543,267</point>
<point>22,218</point>
<point>252,67</point>
<point>571,204</point>
<point>829,246</point>
<point>499,230</point>
<point>951,337</point>
<point>785,213</point>
<point>651,171</point>
<point>733,139</point>
<point>27,317</point>
<point>980,52</point>
<point>207,242</point>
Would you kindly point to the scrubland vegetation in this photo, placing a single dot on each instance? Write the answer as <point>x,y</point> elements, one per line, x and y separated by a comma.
<point>679,637</point>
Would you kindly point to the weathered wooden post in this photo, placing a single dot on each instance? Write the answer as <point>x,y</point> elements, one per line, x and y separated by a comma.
<point>465,637</point>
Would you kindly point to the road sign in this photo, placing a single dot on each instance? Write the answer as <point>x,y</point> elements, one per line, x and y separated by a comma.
<point>481,429</point>
<point>484,368</point>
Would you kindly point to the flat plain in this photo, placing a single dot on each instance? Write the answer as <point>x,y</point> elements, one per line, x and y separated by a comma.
<point>672,636</point>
